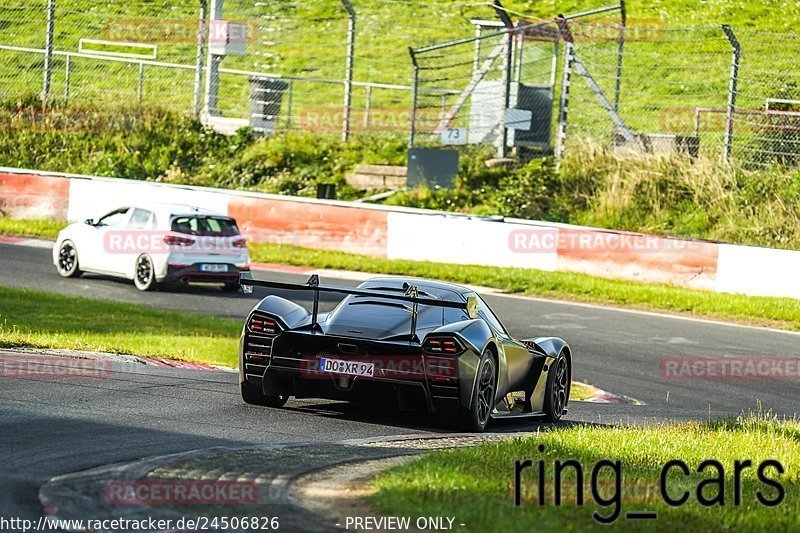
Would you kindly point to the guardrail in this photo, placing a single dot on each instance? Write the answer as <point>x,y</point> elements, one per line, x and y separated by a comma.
<point>420,234</point>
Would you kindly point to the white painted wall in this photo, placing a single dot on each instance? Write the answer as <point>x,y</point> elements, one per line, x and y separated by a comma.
<point>758,271</point>
<point>434,236</point>
<point>461,240</point>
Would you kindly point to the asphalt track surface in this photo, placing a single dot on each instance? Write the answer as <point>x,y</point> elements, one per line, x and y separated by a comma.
<point>57,426</point>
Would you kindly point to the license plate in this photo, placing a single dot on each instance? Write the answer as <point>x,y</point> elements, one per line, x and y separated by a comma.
<point>351,368</point>
<point>213,268</point>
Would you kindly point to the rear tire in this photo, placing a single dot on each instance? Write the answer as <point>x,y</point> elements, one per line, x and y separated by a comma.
<point>476,417</point>
<point>559,381</point>
<point>231,287</point>
<point>144,274</point>
<point>68,260</point>
<point>255,396</point>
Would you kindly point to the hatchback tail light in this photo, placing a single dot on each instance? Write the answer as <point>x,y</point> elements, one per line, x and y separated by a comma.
<point>240,243</point>
<point>174,240</point>
<point>443,345</point>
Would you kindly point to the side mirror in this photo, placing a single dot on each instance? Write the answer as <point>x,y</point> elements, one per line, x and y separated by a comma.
<point>89,221</point>
<point>472,307</point>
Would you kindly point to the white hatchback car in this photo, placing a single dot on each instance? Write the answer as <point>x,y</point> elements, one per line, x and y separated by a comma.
<point>153,244</point>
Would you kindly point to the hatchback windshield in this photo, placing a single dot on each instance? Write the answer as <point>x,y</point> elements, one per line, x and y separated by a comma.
<point>200,225</point>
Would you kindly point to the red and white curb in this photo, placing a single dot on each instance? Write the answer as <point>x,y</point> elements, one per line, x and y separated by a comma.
<point>117,358</point>
<point>24,241</point>
<point>602,396</point>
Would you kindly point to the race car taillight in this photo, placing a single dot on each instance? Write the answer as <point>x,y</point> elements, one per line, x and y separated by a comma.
<point>443,345</point>
<point>174,240</point>
<point>240,243</point>
<point>264,325</point>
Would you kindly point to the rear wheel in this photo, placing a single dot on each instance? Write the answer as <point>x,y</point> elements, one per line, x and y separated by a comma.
<point>68,260</point>
<point>254,395</point>
<point>476,417</point>
<point>144,275</point>
<point>231,286</point>
<point>557,391</point>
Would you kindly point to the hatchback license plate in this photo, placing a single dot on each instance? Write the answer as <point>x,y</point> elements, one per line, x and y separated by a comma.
<point>213,268</point>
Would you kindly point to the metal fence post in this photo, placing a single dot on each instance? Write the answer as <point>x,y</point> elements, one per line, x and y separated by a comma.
<point>508,60</point>
<point>563,104</point>
<point>620,49</point>
<point>66,80</point>
<point>415,90</point>
<point>502,150</point>
<point>348,80</point>
<point>212,65</point>
<point>48,48</point>
<point>737,50</point>
<point>368,107</point>
<point>198,73</point>
<point>477,57</point>
<point>141,82</point>
<point>289,96</point>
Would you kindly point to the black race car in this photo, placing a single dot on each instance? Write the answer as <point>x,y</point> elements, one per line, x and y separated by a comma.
<point>412,343</point>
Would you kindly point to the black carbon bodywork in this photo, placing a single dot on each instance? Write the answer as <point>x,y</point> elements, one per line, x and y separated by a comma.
<point>392,324</point>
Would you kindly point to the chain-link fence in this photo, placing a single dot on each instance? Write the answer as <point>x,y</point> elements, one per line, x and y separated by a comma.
<point>342,67</point>
<point>711,91</point>
<point>505,84</point>
<point>108,53</point>
<point>766,122</point>
<point>605,78</point>
<point>496,88</point>
<point>330,67</point>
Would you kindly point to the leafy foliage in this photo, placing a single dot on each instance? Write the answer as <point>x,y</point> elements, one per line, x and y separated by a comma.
<point>672,195</point>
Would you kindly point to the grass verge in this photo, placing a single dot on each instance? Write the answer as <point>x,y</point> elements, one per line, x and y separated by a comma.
<point>31,227</point>
<point>47,320</point>
<point>781,313</point>
<point>476,485</point>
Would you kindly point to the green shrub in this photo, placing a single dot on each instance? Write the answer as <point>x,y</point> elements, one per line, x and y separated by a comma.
<point>653,194</point>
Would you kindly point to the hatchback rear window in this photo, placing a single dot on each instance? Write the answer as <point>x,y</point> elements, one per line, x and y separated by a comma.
<point>200,225</point>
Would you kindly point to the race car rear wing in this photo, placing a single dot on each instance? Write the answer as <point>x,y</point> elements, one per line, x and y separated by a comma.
<point>411,295</point>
